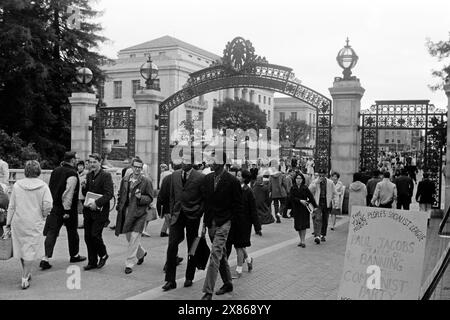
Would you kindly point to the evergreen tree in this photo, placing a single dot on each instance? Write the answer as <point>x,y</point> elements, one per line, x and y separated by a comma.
<point>39,55</point>
<point>238,114</point>
<point>294,130</point>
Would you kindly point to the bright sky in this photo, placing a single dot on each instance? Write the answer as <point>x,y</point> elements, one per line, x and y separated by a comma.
<point>389,36</point>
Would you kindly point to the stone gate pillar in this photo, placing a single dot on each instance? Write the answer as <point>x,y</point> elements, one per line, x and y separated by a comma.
<point>346,139</point>
<point>147,105</point>
<point>447,155</point>
<point>83,105</point>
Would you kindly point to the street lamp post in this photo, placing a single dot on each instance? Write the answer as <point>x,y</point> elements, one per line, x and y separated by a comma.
<point>347,60</point>
<point>149,71</point>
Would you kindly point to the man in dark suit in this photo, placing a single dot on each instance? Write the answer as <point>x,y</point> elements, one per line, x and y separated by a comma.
<point>223,199</point>
<point>186,209</point>
<point>405,188</point>
<point>96,213</point>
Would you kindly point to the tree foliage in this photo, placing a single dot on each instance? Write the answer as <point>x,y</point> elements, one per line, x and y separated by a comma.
<point>294,130</point>
<point>15,151</point>
<point>440,50</point>
<point>238,114</point>
<point>39,55</point>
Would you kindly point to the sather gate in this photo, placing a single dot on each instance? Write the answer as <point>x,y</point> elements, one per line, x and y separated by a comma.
<point>405,115</point>
<point>241,68</point>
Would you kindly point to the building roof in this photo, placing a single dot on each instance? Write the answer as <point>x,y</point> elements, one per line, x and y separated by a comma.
<point>168,41</point>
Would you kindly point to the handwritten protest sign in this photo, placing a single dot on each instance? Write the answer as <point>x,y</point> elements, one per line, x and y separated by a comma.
<point>390,241</point>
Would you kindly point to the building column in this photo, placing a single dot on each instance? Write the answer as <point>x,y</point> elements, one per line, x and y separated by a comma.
<point>447,155</point>
<point>245,94</point>
<point>147,106</point>
<point>346,139</point>
<point>252,96</point>
<point>83,105</point>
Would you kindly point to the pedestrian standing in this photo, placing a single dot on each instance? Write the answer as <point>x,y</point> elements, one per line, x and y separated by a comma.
<point>65,187</point>
<point>262,200</point>
<point>241,225</point>
<point>385,192</point>
<point>300,197</point>
<point>162,204</point>
<point>324,194</point>
<point>30,203</point>
<point>82,173</point>
<point>186,210</point>
<point>96,213</point>
<point>339,188</point>
<point>135,195</point>
<point>426,191</point>
<point>223,199</point>
<point>405,189</point>
<point>357,192</point>
<point>371,185</point>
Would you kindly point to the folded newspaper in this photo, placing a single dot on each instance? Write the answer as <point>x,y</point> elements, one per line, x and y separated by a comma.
<point>91,197</point>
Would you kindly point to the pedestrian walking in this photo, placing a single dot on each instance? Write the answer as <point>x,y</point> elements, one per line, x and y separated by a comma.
<point>223,199</point>
<point>4,172</point>
<point>163,204</point>
<point>324,194</point>
<point>371,185</point>
<point>186,210</point>
<point>241,225</point>
<point>300,197</point>
<point>82,173</point>
<point>385,192</point>
<point>339,188</point>
<point>405,189</point>
<point>30,203</point>
<point>278,193</point>
<point>96,212</point>
<point>64,185</point>
<point>134,197</point>
<point>426,190</point>
<point>357,192</point>
<point>262,200</point>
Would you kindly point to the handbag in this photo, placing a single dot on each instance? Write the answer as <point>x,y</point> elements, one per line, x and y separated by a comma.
<point>151,214</point>
<point>200,252</point>
<point>6,250</point>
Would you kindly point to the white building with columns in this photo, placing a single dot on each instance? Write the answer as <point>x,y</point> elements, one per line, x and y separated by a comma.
<point>175,59</point>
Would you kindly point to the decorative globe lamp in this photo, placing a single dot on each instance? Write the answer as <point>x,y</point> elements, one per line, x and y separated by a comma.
<point>84,76</point>
<point>347,60</point>
<point>149,71</point>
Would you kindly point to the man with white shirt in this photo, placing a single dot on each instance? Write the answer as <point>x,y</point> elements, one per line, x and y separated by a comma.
<point>385,192</point>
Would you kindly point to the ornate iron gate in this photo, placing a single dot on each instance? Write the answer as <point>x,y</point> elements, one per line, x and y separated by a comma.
<point>404,115</point>
<point>114,118</point>
<point>241,68</point>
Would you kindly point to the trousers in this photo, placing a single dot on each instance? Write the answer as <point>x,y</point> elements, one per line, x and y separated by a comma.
<point>52,227</point>
<point>93,229</point>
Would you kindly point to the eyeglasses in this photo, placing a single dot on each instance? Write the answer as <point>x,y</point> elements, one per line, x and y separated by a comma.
<point>136,167</point>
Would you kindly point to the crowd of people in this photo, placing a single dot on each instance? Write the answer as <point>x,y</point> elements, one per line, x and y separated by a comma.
<point>232,200</point>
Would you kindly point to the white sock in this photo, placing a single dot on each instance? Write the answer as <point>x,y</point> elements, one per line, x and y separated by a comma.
<point>248,260</point>
<point>45,259</point>
<point>239,269</point>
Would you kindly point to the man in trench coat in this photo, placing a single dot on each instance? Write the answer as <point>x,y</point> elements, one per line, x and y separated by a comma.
<point>135,196</point>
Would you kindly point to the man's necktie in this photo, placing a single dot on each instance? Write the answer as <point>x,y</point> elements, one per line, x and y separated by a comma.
<point>184,178</point>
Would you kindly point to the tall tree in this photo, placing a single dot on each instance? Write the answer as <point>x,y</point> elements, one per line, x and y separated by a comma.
<point>294,130</point>
<point>238,114</point>
<point>39,55</point>
<point>440,50</point>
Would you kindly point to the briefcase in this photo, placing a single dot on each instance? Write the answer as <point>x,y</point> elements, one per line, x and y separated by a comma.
<point>6,251</point>
<point>200,252</point>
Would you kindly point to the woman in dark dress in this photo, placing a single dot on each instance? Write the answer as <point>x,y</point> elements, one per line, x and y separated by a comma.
<point>299,198</point>
<point>241,224</point>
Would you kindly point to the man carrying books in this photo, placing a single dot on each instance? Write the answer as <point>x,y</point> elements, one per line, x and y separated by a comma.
<point>98,190</point>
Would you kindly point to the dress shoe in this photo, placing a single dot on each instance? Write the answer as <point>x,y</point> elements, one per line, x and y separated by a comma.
<point>163,234</point>
<point>44,265</point>
<point>302,245</point>
<point>78,258</point>
<point>207,296</point>
<point>102,262</point>
<point>25,283</point>
<point>317,240</point>
<point>236,275</point>
<point>278,219</point>
<point>187,283</point>
<point>141,260</point>
<point>128,270</point>
<point>322,238</point>
<point>169,286</point>
<point>179,260</point>
<point>89,267</point>
<point>250,265</point>
<point>224,289</point>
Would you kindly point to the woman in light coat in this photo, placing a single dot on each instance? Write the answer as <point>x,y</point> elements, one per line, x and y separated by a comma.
<point>339,188</point>
<point>357,192</point>
<point>30,203</point>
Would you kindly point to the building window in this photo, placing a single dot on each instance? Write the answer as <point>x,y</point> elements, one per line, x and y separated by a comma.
<point>101,91</point>
<point>294,115</point>
<point>135,84</point>
<point>282,116</point>
<point>310,119</point>
<point>398,141</point>
<point>269,116</point>
<point>259,98</point>
<point>117,89</point>
<point>264,99</point>
<point>393,140</point>
<point>133,55</point>
<point>200,116</point>
<point>188,115</point>
<point>269,101</point>
<point>387,141</point>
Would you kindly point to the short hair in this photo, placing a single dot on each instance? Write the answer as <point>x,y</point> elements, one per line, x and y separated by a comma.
<point>386,174</point>
<point>96,156</point>
<point>246,176</point>
<point>336,174</point>
<point>69,155</point>
<point>357,176</point>
<point>81,162</point>
<point>376,173</point>
<point>299,174</point>
<point>32,169</point>
<point>136,160</point>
